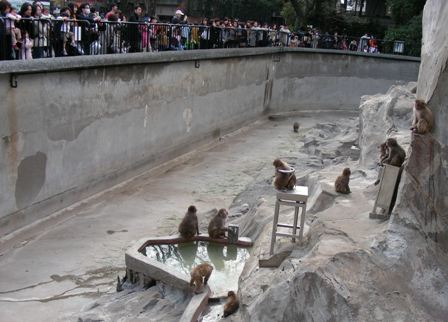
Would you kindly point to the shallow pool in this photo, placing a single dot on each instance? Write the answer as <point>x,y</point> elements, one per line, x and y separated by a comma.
<point>227,261</point>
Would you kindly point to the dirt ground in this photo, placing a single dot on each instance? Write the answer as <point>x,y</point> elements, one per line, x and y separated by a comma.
<point>49,275</point>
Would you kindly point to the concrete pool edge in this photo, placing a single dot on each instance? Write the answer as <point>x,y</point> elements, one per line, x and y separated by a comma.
<point>140,267</point>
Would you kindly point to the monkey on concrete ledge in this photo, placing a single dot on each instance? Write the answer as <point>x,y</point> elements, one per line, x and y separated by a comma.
<point>232,304</point>
<point>200,275</point>
<point>217,226</point>
<point>189,227</point>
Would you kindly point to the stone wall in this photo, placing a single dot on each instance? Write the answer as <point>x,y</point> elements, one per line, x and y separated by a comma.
<point>75,126</point>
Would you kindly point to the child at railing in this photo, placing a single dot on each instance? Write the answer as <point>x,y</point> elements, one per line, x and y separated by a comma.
<point>15,33</point>
<point>27,45</point>
<point>66,34</point>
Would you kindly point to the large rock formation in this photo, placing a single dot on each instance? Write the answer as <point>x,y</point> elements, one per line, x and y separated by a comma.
<point>382,116</point>
<point>402,275</point>
<point>424,193</point>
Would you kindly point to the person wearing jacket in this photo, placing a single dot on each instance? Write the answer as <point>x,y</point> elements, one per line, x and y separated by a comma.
<point>87,24</point>
<point>134,31</point>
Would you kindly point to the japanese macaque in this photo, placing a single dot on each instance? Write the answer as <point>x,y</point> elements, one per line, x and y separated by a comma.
<point>396,154</point>
<point>232,304</point>
<point>423,119</point>
<point>199,276</point>
<point>296,126</point>
<point>384,152</point>
<point>189,227</point>
<point>217,227</point>
<point>341,183</point>
<point>283,180</point>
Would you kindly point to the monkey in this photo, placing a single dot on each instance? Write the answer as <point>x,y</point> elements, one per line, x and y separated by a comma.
<point>295,127</point>
<point>423,120</point>
<point>232,304</point>
<point>341,183</point>
<point>283,180</point>
<point>396,154</point>
<point>216,227</point>
<point>384,153</point>
<point>200,275</point>
<point>189,227</point>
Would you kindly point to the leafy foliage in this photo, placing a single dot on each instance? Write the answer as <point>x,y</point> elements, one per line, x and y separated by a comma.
<point>410,33</point>
<point>404,11</point>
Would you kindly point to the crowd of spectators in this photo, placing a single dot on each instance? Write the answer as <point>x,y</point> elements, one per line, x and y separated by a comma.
<point>35,32</point>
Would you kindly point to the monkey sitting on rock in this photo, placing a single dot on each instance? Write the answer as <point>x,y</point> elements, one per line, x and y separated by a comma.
<point>189,226</point>
<point>200,275</point>
<point>296,127</point>
<point>232,304</point>
<point>284,175</point>
<point>341,183</point>
<point>217,226</point>
<point>423,119</point>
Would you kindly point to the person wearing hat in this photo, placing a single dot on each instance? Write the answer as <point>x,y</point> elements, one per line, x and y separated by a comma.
<point>179,18</point>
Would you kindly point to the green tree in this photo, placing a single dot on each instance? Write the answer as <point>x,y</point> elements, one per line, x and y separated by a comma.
<point>290,15</point>
<point>404,11</point>
<point>407,15</point>
<point>410,33</point>
<point>314,12</point>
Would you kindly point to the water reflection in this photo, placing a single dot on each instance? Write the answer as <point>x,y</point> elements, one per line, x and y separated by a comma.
<point>228,261</point>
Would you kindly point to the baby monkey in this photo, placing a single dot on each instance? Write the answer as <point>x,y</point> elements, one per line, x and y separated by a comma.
<point>341,184</point>
<point>200,275</point>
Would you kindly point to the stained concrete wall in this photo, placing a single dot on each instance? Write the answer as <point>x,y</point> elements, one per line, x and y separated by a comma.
<point>75,126</point>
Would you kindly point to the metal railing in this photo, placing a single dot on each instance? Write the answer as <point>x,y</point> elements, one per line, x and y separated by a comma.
<point>42,38</point>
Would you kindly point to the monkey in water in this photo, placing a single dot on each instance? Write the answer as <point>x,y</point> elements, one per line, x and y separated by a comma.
<point>283,180</point>
<point>189,227</point>
<point>232,304</point>
<point>341,183</point>
<point>199,276</point>
<point>396,154</point>
<point>217,226</point>
<point>295,127</point>
<point>423,119</point>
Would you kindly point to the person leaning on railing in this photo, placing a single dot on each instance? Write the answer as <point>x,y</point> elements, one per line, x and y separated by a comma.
<point>134,34</point>
<point>87,23</point>
<point>7,51</point>
<point>114,43</point>
<point>40,33</point>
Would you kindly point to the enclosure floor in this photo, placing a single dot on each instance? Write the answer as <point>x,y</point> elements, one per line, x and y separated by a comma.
<point>57,272</point>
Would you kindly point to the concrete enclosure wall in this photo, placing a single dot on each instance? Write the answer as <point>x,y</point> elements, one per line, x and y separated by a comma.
<point>75,126</point>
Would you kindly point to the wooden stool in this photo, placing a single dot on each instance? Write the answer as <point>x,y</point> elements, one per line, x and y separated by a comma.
<point>296,198</point>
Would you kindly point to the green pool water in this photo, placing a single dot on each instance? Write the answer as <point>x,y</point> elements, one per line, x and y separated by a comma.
<point>227,261</point>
